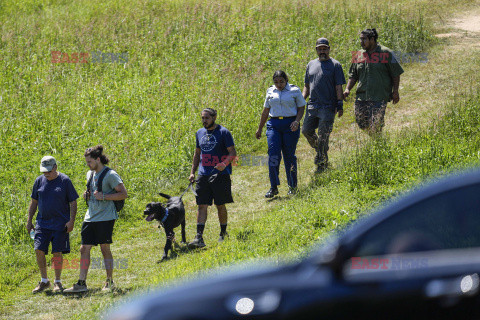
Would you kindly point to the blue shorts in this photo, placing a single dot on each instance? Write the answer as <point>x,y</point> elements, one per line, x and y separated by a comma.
<point>59,238</point>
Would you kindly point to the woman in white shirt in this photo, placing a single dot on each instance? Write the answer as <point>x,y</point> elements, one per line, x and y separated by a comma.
<point>284,107</point>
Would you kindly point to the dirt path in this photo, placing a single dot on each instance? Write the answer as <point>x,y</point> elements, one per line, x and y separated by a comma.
<point>465,27</point>
<point>469,23</point>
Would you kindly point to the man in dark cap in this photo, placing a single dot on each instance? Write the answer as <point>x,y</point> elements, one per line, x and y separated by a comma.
<point>323,83</point>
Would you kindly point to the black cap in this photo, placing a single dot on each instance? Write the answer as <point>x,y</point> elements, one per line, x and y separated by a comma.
<point>322,42</point>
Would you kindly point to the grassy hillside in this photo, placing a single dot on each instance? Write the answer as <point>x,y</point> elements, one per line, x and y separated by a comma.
<point>184,56</point>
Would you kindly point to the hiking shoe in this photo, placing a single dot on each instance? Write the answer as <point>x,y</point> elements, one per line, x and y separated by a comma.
<point>222,236</point>
<point>76,288</point>
<point>321,168</point>
<point>41,287</point>
<point>292,191</point>
<point>109,286</point>
<point>271,193</point>
<point>57,287</point>
<point>197,242</point>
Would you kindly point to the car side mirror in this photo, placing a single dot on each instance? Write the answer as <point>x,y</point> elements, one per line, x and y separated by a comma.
<point>332,255</point>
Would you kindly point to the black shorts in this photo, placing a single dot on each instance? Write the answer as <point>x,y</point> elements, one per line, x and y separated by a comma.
<point>99,232</point>
<point>217,187</point>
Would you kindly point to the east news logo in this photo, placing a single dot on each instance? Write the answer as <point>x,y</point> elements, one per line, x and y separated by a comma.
<point>89,57</point>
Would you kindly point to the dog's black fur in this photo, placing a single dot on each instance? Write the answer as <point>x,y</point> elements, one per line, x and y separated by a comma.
<point>176,217</point>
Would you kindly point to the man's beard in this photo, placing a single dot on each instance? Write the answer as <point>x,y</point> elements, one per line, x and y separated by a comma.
<point>210,126</point>
<point>94,167</point>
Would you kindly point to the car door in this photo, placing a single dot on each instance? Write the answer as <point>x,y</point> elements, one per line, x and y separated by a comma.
<point>421,261</point>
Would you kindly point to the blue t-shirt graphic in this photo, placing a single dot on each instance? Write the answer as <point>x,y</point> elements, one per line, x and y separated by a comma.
<point>213,145</point>
<point>54,199</point>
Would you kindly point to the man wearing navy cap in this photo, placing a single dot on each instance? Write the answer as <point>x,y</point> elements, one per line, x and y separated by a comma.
<point>323,83</point>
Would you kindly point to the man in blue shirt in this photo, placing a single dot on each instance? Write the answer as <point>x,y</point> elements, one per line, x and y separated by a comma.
<point>214,153</point>
<point>323,83</point>
<point>56,199</point>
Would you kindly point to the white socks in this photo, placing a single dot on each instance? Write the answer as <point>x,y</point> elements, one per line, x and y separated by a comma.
<point>46,280</point>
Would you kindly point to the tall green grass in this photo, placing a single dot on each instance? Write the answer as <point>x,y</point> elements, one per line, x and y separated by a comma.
<point>451,142</point>
<point>379,170</point>
<point>183,56</point>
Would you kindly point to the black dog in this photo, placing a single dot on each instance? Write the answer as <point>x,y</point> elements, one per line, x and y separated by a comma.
<point>170,216</point>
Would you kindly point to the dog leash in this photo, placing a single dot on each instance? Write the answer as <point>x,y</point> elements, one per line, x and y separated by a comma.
<point>190,186</point>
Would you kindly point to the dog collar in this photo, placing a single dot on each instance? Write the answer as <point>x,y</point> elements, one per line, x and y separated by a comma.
<point>165,216</point>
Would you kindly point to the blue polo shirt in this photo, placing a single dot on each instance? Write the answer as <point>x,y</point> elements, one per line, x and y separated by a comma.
<point>322,77</point>
<point>213,145</point>
<point>54,199</point>
<point>284,103</point>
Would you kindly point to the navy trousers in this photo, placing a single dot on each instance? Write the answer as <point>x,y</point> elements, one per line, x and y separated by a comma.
<point>282,140</point>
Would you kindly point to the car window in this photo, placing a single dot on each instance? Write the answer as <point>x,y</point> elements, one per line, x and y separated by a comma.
<point>449,220</point>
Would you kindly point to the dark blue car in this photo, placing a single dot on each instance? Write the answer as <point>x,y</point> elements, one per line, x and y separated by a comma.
<point>417,258</point>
